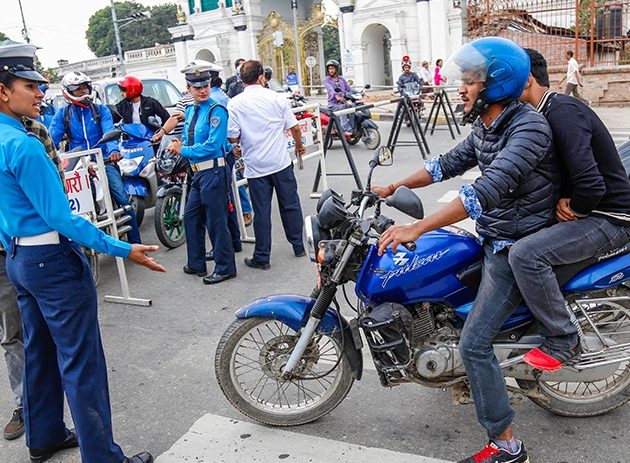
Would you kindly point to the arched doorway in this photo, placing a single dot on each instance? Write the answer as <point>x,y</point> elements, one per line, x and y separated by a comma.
<point>205,55</point>
<point>376,41</point>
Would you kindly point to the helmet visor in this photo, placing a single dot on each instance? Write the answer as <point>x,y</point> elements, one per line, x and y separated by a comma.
<point>74,88</point>
<point>466,65</point>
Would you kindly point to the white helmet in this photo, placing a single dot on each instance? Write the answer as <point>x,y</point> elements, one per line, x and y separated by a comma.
<point>200,65</point>
<point>71,82</point>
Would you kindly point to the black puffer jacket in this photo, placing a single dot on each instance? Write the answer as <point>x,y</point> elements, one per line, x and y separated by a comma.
<point>519,185</point>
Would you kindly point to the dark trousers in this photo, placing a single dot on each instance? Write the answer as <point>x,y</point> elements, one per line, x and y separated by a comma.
<point>63,351</point>
<point>207,209</point>
<point>261,190</point>
<point>532,260</point>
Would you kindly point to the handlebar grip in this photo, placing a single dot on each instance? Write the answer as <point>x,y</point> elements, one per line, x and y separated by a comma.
<point>409,246</point>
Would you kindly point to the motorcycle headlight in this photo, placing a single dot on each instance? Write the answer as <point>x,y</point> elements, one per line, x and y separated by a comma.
<point>332,213</point>
<point>129,166</point>
<point>313,234</point>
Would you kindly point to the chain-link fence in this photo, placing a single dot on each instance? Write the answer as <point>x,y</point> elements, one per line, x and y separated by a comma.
<point>598,31</point>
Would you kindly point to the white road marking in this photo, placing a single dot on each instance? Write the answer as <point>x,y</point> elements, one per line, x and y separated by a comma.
<point>215,439</point>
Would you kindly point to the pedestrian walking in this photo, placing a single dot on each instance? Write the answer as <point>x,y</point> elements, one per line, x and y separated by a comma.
<point>259,118</point>
<point>573,77</point>
<point>56,294</point>
<point>205,145</point>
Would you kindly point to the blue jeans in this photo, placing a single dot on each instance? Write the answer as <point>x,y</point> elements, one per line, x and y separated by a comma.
<point>261,189</point>
<point>497,298</point>
<point>532,260</point>
<point>117,191</point>
<point>246,204</point>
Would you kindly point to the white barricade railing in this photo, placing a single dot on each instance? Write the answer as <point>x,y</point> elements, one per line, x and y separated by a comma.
<point>110,222</point>
<point>315,150</point>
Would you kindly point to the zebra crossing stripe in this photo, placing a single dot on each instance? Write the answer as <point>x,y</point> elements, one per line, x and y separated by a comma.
<point>216,439</point>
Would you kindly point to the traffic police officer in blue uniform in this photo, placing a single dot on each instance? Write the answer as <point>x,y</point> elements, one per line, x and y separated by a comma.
<point>205,145</point>
<point>56,293</point>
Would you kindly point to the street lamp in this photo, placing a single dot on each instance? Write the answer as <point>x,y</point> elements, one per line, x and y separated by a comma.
<point>139,16</point>
<point>298,51</point>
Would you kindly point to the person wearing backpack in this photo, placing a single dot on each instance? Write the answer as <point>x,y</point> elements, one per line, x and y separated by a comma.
<point>84,123</point>
<point>204,143</point>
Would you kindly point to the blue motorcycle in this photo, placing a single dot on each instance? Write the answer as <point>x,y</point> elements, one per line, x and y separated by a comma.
<point>137,167</point>
<point>289,359</point>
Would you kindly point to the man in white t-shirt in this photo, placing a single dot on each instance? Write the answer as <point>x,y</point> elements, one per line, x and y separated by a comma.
<point>258,121</point>
<point>573,77</point>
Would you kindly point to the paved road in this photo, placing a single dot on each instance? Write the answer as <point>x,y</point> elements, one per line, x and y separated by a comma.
<point>165,398</point>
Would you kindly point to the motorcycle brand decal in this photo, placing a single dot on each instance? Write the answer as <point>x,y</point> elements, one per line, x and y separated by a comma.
<point>613,253</point>
<point>616,277</point>
<point>400,259</point>
<point>215,121</point>
<point>415,264</point>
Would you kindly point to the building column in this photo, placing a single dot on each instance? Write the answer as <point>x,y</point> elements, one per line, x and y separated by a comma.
<point>424,30</point>
<point>438,14</point>
<point>346,38</point>
<point>181,34</point>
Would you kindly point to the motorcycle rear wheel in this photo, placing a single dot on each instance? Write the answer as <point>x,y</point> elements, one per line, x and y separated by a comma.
<point>168,226</point>
<point>591,398</point>
<point>248,362</point>
<point>137,202</point>
<point>355,137</point>
<point>372,139</point>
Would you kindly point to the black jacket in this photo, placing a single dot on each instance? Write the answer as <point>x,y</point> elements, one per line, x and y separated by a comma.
<point>148,107</point>
<point>593,176</point>
<point>519,185</point>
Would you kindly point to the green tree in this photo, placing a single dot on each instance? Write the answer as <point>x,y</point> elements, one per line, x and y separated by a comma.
<point>330,37</point>
<point>3,37</point>
<point>136,35</point>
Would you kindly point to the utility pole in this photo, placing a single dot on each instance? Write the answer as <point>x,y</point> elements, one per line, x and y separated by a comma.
<point>298,50</point>
<point>118,45</point>
<point>24,29</point>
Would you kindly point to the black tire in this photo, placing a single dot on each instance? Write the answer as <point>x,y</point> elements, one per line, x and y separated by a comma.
<point>168,226</point>
<point>356,136</point>
<point>372,138</point>
<point>137,202</point>
<point>329,143</point>
<point>270,355</point>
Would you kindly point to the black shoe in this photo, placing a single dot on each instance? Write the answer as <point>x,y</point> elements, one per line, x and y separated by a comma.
<point>143,457</point>
<point>217,278</point>
<point>210,255</point>
<point>15,426</point>
<point>491,453</point>
<point>301,253</point>
<point>192,271</point>
<point>253,263</point>
<point>238,247</point>
<point>40,455</point>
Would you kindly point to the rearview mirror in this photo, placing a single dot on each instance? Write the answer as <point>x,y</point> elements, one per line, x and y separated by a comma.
<point>109,136</point>
<point>406,202</point>
<point>385,156</point>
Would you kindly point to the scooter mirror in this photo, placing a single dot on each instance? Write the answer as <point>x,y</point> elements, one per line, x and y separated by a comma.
<point>109,136</point>
<point>406,202</point>
<point>385,156</point>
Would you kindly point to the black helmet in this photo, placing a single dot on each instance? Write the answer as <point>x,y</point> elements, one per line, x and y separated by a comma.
<point>333,62</point>
<point>268,72</point>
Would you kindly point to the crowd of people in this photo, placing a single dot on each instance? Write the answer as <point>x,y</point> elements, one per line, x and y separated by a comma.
<point>544,185</point>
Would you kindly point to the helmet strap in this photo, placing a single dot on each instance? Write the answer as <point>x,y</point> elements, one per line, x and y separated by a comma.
<point>479,107</point>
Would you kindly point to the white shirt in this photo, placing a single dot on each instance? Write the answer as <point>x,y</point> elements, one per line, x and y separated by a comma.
<point>135,115</point>
<point>260,117</point>
<point>425,75</point>
<point>572,68</point>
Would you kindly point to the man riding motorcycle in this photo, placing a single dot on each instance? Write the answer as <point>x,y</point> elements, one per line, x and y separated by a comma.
<point>336,88</point>
<point>84,123</point>
<point>408,77</point>
<point>514,197</point>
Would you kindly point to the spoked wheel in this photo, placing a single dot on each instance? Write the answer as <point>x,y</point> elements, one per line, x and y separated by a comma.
<point>249,362</point>
<point>168,226</point>
<point>592,398</point>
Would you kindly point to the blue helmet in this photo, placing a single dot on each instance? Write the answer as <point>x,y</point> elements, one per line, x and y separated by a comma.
<point>501,64</point>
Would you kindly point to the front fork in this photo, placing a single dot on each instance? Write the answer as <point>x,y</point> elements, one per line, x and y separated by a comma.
<point>324,299</point>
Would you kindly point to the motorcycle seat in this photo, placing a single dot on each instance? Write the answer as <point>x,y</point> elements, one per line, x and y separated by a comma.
<point>471,276</point>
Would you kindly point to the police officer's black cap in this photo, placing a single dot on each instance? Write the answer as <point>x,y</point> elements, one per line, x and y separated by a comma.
<point>18,59</point>
<point>198,78</point>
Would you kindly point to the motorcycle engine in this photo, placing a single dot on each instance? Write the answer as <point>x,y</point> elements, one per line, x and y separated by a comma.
<point>437,359</point>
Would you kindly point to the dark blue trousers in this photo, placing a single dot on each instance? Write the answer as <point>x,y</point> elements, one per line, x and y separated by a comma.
<point>208,206</point>
<point>261,191</point>
<point>62,350</point>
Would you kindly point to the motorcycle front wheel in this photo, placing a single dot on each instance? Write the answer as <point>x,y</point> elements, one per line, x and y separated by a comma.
<point>137,202</point>
<point>372,138</point>
<point>248,365</point>
<point>168,226</point>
